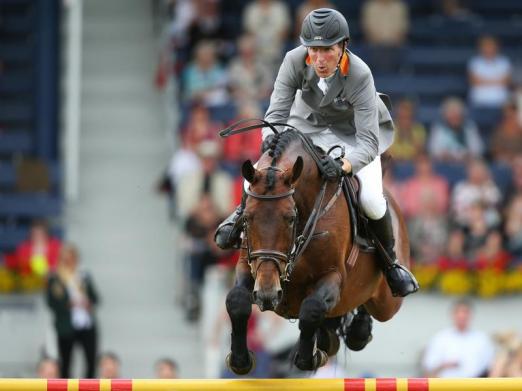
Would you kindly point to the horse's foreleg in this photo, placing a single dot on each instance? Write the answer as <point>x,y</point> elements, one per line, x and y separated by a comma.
<point>311,314</point>
<point>239,306</point>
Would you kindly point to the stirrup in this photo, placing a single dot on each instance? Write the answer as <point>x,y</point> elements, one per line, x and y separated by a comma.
<point>400,280</point>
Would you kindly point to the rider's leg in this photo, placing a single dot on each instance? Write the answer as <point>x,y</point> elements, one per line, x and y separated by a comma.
<point>399,278</point>
<point>228,233</point>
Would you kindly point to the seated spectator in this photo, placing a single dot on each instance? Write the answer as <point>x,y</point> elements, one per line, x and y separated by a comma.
<point>166,368</point>
<point>200,226</point>
<point>250,80</point>
<point>454,11</point>
<point>385,24</point>
<point>243,146</point>
<point>477,231</point>
<point>208,180</point>
<point>489,76</point>
<point>506,142</point>
<point>304,9</point>
<point>109,366</point>
<point>459,350</point>
<point>199,127</point>
<point>454,257</point>
<point>410,135</point>
<point>207,25</point>
<point>427,231</point>
<point>513,228</point>
<point>454,138</point>
<point>71,296</point>
<point>38,254</point>
<point>48,368</point>
<point>204,80</point>
<point>508,361</point>
<point>516,179</point>
<point>269,22</point>
<point>492,254</point>
<point>424,183</point>
<point>477,188</point>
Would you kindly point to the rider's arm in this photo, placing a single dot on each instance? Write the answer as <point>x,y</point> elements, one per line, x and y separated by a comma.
<point>283,95</point>
<point>366,116</point>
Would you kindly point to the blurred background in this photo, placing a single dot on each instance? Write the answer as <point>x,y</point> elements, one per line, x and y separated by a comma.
<point>113,179</point>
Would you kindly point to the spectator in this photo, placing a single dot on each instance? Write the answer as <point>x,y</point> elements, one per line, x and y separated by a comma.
<point>516,179</point>
<point>454,255</point>
<point>48,368</point>
<point>268,21</point>
<point>410,135</point>
<point>492,254</point>
<point>424,183</point>
<point>109,366</point>
<point>455,11</point>
<point>250,79</point>
<point>458,351</point>
<point>454,138</point>
<point>204,80</point>
<point>71,297</point>
<point>207,25</point>
<point>427,230</point>
<point>202,252</point>
<point>513,228</point>
<point>200,127</point>
<point>243,146</point>
<point>477,231</point>
<point>38,254</point>
<point>508,361</point>
<point>489,75</point>
<point>385,22</point>
<point>166,368</point>
<point>304,9</point>
<point>208,180</point>
<point>477,188</point>
<point>506,142</point>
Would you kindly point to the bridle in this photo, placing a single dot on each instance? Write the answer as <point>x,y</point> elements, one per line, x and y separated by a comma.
<point>285,262</point>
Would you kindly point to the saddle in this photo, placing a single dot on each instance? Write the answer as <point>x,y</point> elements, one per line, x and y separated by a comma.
<point>359,222</point>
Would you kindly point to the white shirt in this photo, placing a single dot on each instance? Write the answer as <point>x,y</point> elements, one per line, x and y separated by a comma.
<point>489,69</point>
<point>472,350</point>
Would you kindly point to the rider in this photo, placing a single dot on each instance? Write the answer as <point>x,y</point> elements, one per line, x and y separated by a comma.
<point>327,92</point>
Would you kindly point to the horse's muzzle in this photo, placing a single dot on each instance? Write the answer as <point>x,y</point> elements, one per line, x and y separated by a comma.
<point>267,300</point>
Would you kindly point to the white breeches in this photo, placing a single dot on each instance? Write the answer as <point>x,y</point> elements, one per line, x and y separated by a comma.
<point>372,198</point>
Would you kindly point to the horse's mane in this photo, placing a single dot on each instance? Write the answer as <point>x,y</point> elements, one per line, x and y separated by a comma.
<point>276,148</point>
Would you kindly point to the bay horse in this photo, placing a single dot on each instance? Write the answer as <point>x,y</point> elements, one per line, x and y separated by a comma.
<point>288,203</point>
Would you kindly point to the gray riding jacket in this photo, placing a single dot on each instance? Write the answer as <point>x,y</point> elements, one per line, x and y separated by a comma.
<point>352,112</point>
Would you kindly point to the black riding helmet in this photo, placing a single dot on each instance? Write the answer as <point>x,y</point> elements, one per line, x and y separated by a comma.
<point>324,27</point>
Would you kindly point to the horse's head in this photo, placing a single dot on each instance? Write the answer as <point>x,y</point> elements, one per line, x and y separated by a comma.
<point>270,225</point>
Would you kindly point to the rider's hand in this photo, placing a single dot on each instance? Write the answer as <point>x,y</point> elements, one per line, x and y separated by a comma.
<point>331,168</point>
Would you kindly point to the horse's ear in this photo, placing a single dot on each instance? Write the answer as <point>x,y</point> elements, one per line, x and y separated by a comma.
<point>297,169</point>
<point>248,171</point>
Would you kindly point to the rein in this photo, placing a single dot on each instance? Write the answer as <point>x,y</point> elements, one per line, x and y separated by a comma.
<point>301,242</point>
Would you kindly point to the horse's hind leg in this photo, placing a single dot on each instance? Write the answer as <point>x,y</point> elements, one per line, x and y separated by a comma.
<point>358,332</point>
<point>311,315</point>
<point>239,307</point>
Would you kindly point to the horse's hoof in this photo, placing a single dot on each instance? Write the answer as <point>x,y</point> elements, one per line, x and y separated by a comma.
<point>358,345</point>
<point>359,332</point>
<point>319,359</point>
<point>328,341</point>
<point>241,370</point>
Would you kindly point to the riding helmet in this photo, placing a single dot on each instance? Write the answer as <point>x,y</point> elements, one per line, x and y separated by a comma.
<point>324,27</point>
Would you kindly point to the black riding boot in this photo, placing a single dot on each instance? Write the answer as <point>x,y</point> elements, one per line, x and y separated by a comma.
<point>399,278</point>
<point>228,233</point>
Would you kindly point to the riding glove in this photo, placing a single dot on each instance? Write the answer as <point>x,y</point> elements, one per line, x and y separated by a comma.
<point>331,168</point>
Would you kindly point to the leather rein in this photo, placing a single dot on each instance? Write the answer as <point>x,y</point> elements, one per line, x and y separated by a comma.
<point>285,262</point>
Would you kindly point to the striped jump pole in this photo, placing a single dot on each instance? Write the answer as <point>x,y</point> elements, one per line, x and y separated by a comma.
<point>391,384</point>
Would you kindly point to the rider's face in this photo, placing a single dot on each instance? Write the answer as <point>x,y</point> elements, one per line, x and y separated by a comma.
<point>325,59</point>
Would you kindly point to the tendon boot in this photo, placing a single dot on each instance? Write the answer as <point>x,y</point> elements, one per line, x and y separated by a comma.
<point>228,233</point>
<point>400,280</point>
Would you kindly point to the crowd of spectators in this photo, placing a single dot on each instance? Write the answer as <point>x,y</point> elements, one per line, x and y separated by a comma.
<point>458,182</point>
